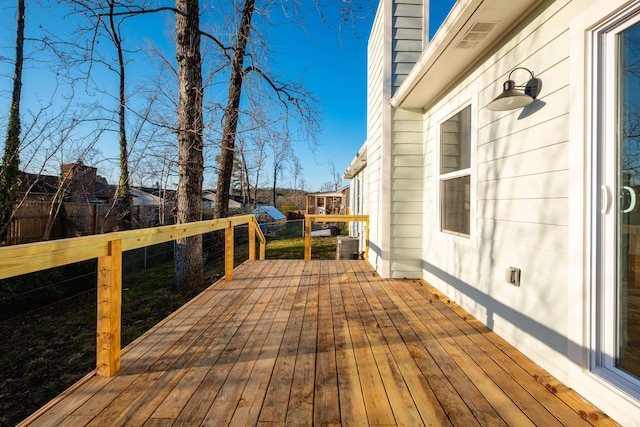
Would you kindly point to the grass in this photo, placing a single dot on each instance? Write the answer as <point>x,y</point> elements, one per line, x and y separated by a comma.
<point>321,248</point>
<point>45,352</point>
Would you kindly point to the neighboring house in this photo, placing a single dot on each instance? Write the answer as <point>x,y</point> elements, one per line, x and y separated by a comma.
<point>458,194</point>
<point>86,203</point>
<point>152,206</point>
<point>328,202</point>
<point>80,184</point>
<point>85,185</point>
<point>152,196</point>
<point>38,188</point>
<point>209,200</point>
<point>140,197</point>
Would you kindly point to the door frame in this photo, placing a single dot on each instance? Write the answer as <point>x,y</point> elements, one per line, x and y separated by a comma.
<point>587,368</point>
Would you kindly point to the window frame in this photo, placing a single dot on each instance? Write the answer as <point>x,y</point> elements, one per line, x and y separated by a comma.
<point>470,171</point>
<point>605,106</point>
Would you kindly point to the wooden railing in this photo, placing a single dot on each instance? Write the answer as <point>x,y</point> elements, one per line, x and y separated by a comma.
<point>108,248</point>
<point>309,219</point>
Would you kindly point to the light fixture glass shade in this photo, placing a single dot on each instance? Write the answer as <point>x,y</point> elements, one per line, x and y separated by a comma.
<point>510,98</point>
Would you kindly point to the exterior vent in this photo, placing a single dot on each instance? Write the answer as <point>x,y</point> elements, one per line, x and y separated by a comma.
<point>475,35</point>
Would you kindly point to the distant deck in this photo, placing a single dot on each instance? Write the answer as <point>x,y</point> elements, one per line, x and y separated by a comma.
<point>320,343</point>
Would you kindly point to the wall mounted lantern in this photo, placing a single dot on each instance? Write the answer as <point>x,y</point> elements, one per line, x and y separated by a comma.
<point>513,96</point>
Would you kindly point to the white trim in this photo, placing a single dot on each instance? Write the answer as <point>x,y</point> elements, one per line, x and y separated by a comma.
<point>426,21</point>
<point>468,97</point>
<point>384,262</point>
<point>585,201</point>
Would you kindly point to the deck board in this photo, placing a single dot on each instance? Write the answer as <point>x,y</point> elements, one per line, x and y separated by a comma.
<point>321,343</point>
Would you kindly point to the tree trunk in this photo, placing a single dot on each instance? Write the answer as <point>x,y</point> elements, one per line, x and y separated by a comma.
<point>124,190</point>
<point>231,113</point>
<point>10,168</point>
<point>246,192</point>
<point>188,252</point>
<point>275,181</point>
<point>255,190</point>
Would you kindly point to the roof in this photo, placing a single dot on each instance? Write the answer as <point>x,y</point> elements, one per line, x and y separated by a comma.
<point>339,193</point>
<point>269,210</point>
<point>38,183</point>
<point>469,31</point>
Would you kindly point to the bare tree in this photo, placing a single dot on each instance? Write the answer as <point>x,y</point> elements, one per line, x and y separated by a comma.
<point>124,192</point>
<point>292,97</point>
<point>106,21</point>
<point>258,158</point>
<point>244,172</point>
<point>296,170</point>
<point>189,267</point>
<point>10,168</point>
<point>327,186</point>
<point>296,174</point>
<point>230,128</point>
<point>335,175</point>
<point>280,154</point>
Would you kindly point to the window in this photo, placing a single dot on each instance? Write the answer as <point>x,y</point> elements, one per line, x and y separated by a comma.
<point>455,174</point>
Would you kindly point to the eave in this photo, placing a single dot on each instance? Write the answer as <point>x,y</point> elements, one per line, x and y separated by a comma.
<point>454,48</point>
<point>357,164</point>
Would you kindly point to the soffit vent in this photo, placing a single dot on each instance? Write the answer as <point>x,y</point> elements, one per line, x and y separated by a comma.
<point>475,35</point>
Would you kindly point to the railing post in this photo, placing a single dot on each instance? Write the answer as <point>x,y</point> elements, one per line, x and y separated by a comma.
<point>252,241</point>
<point>109,311</point>
<point>366,243</point>
<point>307,238</point>
<point>228,252</point>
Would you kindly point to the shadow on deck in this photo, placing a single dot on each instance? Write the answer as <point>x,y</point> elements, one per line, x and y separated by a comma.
<point>320,343</point>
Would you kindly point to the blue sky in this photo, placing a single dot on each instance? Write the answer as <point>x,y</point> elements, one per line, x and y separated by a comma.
<point>330,60</point>
<point>335,69</point>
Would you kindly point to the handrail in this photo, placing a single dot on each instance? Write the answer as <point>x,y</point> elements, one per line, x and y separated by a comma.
<point>32,257</point>
<point>309,219</point>
<point>107,248</point>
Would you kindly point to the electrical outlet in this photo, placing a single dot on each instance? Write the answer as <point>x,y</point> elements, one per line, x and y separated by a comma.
<point>512,276</point>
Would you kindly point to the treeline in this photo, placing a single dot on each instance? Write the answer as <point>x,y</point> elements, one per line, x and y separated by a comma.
<point>185,93</point>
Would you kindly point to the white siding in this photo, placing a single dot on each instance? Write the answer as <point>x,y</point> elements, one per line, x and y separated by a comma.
<point>394,147</point>
<point>406,191</point>
<point>375,136</point>
<point>525,176</point>
<point>359,204</point>
<point>521,211</point>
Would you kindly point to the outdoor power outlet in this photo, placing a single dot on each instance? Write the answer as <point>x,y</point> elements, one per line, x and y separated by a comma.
<point>512,276</point>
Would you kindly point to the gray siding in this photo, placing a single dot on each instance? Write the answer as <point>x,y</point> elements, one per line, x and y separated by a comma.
<point>407,35</point>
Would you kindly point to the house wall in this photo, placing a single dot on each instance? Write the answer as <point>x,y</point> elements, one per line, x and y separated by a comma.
<point>529,189</point>
<point>520,167</point>
<point>140,198</point>
<point>406,193</point>
<point>359,201</point>
<point>394,171</point>
<point>377,97</point>
<point>408,23</point>
<point>81,181</point>
<point>406,170</point>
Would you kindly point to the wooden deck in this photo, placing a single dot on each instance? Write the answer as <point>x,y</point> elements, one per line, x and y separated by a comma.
<point>320,343</point>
